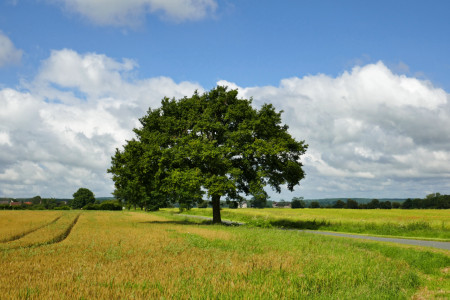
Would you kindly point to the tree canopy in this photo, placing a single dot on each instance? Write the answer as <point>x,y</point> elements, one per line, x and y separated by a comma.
<point>82,197</point>
<point>214,144</point>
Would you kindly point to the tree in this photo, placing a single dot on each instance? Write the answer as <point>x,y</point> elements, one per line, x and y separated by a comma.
<point>339,204</point>
<point>298,202</point>
<point>351,204</point>
<point>375,203</point>
<point>212,143</point>
<point>36,200</point>
<point>315,204</point>
<point>385,205</point>
<point>82,197</point>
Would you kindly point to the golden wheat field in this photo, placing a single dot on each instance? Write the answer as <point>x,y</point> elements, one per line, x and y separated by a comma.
<point>132,255</point>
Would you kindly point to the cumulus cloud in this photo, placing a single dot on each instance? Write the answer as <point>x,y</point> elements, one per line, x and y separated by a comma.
<point>367,129</point>
<point>61,132</point>
<point>9,54</point>
<point>370,131</point>
<point>132,12</point>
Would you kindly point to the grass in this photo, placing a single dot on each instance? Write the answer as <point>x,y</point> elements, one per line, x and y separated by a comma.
<point>130,255</point>
<point>426,224</point>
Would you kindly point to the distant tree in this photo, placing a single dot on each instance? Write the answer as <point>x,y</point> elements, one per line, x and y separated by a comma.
<point>82,197</point>
<point>259,201</point>
<point>213,143</point>
<point>315,204</point>
<point>418,203</point>
<point>233,204</point>
<point>408,204</point>
<point>339,204</point>
<point>351,204</point>
<point>49,203</point>
<point>375,203</point>
<point>443,202</point>
<point>396,205</point>
<point>202,204</point>
<point>36,200</point>
<point>385,205</point>
<point>298,202</point>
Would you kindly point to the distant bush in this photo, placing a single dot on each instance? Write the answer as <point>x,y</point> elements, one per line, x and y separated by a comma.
<point>65,207</point>
<point>110,205</point>
<point>37,207</point>
<point>106,205</point>
<point>91,206</point>
<point>5,206</point>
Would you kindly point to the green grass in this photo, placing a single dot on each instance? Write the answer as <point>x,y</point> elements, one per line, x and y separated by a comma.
<point>426,224</point>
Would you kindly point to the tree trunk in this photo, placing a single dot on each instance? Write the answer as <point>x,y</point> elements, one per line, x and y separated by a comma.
<point>216,209</point>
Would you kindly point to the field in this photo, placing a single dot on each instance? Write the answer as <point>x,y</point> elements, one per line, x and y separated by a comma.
<point>134,255</point>
<point>431,224</point>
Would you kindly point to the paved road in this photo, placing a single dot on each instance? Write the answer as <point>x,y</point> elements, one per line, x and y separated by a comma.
<point>439,245</point>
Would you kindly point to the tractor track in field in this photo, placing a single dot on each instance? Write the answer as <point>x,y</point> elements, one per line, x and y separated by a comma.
<point>59,238</point>
<point>413,242</point>
<point>22,234</point>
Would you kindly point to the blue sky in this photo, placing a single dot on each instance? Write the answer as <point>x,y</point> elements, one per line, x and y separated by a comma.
<point>366,84</point>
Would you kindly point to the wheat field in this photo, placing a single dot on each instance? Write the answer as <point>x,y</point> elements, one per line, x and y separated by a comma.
<point>132,255</point>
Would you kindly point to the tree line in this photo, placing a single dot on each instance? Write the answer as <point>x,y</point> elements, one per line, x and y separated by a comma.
<point>83,198</point>
<point>431,201</point>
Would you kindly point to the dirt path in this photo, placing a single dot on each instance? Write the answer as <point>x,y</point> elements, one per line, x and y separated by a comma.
<point>434,244</point>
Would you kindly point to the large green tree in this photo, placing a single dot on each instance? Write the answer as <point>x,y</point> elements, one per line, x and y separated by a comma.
<point>82,197</point>
<point>213,143</point>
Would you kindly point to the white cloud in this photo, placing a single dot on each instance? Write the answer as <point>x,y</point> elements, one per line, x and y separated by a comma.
<point>370,131</point>
<point>9,54</point>
<point>133,12</point>
<point>61,133</point>
<point>365,124</point>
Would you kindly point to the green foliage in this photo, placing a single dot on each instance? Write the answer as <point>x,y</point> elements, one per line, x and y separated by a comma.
<point>213,143</point>
<point>298,202</point>
<point>315,204</point>
<point>351,204</point>
<point>64,207</point>
<point>202,204</point>
<point>105,205</point>
<point>434,200</point>
<point>82,197</point>
<point>339,204</point>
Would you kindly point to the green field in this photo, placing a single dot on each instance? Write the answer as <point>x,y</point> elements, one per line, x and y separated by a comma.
<point>136,255</point>
<point>431,224</point>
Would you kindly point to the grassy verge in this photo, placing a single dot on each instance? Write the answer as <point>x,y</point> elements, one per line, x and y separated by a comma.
<point>419,224</point>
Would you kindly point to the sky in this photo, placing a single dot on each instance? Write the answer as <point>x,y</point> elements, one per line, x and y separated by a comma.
<point>365,83</point>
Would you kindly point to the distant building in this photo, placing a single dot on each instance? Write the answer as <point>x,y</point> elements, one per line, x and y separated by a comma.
<point>15,203</point>
<point>243,204</point>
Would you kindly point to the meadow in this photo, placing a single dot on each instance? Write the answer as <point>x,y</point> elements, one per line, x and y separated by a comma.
<point>137,255</point>
<point>432,224</point>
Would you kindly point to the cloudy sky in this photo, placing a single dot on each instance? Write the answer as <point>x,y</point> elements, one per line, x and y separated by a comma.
<point>365,83</point>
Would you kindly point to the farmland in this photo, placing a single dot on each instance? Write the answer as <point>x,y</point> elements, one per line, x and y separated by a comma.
<point>412,223</point>
<point>134,255</point>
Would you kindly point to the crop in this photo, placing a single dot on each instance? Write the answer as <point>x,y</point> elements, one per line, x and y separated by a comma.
<point>414,223</point>
<point>15,224</point>
<point>130,255</point>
